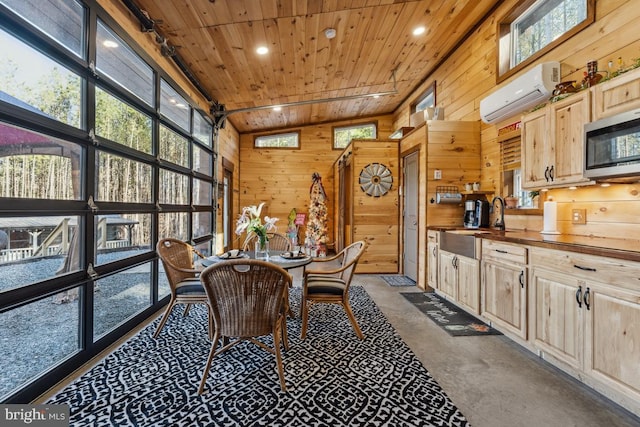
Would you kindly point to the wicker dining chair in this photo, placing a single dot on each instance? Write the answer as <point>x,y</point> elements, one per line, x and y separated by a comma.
<point>331,285</point>
<point>178,260</point>
<point>247,302</point>
<point>277,242</point>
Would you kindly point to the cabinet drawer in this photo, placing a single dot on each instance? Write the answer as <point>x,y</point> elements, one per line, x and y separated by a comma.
<point>625,274</point>
<point>432,236</point>
<point>506,252</point>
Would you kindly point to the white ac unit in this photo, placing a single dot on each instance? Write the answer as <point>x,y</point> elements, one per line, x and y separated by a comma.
<point>530,89</point>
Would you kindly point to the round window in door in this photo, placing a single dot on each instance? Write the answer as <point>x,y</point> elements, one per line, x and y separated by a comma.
<point>375,179</point>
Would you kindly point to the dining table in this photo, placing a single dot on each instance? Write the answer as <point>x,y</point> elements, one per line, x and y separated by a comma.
<point>278,258</point>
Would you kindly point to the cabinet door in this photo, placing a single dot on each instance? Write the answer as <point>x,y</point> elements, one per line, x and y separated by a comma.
<point>617,95</point>
<point>558,315</point>
<point>432,265</point>
<point>504,297</point>
<point>447,274</point>
<point>567,126</point>
<point>535,149</point>
<point>612,332</point>
<point>469,283</point>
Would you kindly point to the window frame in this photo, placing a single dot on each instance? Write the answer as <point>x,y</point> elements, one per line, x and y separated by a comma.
<point>352,126</point>
<point>428,91</point>
<point>504,70</point>
<point>267,135</point>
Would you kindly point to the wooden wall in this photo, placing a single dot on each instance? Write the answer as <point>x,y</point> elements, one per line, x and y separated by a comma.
<point>469,75</point>
<point>282,177</point>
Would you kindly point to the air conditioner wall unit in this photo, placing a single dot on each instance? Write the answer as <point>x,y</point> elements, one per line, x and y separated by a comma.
<point>530,89</point>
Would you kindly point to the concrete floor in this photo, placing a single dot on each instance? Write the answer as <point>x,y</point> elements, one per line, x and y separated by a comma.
<point>492,380</point>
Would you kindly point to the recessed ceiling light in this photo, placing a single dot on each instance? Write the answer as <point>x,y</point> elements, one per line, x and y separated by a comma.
<point>418,31</point>
<point>376,96</point>
<point>262,50</point>
<point>277,108</point>
<point>109,43</point>
<point>605,184</point>
<point>330,33</point>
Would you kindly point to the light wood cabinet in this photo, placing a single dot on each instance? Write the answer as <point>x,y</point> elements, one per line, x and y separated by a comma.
<point>432,259</point>
<point>504,287</point>
<point>617,95</point>
<point>447,274</point>
<point>553,143</point>
<point>559,319</point>
<point>459,279</point>
<point>584,319</point>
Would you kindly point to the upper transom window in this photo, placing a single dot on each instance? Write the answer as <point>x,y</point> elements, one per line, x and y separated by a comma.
<point>342,135</point>
<point>534,27</point>
<point>278,140</point>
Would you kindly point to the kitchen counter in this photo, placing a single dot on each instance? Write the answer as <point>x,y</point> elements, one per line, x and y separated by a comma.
<point>625,249</point>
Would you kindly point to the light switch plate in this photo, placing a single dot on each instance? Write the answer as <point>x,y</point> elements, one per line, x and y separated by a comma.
<point>437,174</point>
<point>578,216</point>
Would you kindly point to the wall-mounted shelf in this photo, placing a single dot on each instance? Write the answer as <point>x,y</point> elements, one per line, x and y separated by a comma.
<point>466,193</point>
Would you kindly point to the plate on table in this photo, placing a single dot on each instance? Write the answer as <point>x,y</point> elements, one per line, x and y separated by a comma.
<point>289,255</point>
<point>227,255</point>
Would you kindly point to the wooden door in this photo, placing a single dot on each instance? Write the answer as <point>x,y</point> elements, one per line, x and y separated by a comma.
<point>612,337</point>
<point>432,265</point>
<point>469,283</point>
<point>447,274</point>
<point>535,149</point>
<point>568,118</point>
<point>504,297</point>
<point>410,210</point>
<point>558,315</point>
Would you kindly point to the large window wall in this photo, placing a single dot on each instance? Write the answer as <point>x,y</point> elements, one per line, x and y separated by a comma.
<point>101,154</point>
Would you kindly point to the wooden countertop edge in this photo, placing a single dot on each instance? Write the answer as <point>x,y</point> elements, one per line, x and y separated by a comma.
<point>531,238</point>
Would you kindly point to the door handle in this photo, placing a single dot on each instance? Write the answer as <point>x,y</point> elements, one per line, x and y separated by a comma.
<point>546,174</point>
<point>521,279</point>
<point>434,251</point>
<point>587,298</point>
<point>579,296</point>
<point>551,173</point>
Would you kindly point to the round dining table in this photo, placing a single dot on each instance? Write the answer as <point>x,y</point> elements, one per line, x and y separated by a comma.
<point>275,257</point>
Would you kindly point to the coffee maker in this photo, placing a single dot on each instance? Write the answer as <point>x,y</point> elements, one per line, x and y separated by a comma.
<point>476,214</point>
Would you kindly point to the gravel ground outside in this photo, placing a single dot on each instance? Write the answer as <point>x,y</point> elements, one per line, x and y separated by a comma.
<point>39,335</point>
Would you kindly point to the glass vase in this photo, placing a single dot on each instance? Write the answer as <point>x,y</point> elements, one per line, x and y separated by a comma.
<point>262,250</point>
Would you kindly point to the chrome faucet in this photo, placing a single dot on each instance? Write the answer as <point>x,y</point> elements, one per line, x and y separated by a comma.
<point>499,221</point>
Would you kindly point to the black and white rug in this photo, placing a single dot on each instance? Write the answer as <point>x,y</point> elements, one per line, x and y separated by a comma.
<point>333,379</point>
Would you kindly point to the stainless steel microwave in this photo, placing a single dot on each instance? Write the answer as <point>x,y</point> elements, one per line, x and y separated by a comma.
<point>612,148</point>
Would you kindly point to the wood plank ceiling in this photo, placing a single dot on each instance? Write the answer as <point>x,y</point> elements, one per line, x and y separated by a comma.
<point>217,40</point>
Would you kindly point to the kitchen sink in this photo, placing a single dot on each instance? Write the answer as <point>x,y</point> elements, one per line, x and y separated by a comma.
<point>460,242</point>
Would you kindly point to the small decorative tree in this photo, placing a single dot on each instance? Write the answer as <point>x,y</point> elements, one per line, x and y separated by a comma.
<point>316,233</point>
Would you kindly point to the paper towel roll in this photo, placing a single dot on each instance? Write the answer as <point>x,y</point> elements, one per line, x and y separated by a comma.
<point>550,218</point>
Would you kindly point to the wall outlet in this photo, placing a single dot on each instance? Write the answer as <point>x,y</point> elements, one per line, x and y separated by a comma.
<point>578,216</point>
<point>437,174</point>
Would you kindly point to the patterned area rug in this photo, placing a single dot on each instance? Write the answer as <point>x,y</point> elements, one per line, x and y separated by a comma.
<point>398,280</point>
<point>452,319</point>
<point>333,379</point>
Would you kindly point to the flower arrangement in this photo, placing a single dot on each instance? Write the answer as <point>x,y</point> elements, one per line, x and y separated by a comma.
<point>250,221</point>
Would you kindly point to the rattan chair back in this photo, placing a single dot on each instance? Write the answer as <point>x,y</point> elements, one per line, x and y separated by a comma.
<point>247,300</point>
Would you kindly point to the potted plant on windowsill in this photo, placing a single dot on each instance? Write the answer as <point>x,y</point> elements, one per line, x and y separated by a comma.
<point>511,202</point>
<point>535,198</point>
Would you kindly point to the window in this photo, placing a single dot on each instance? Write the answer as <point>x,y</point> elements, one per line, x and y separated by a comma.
<point>62,21</point>
<point>115,59</point>
<point>343,135</point>
<point>173,106</point>
<point>279,140</point>
<point>512,173</point>
<point>29,80</point>
<point>90,178</point>
<point>534,27</point>
<point>426,100</point>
